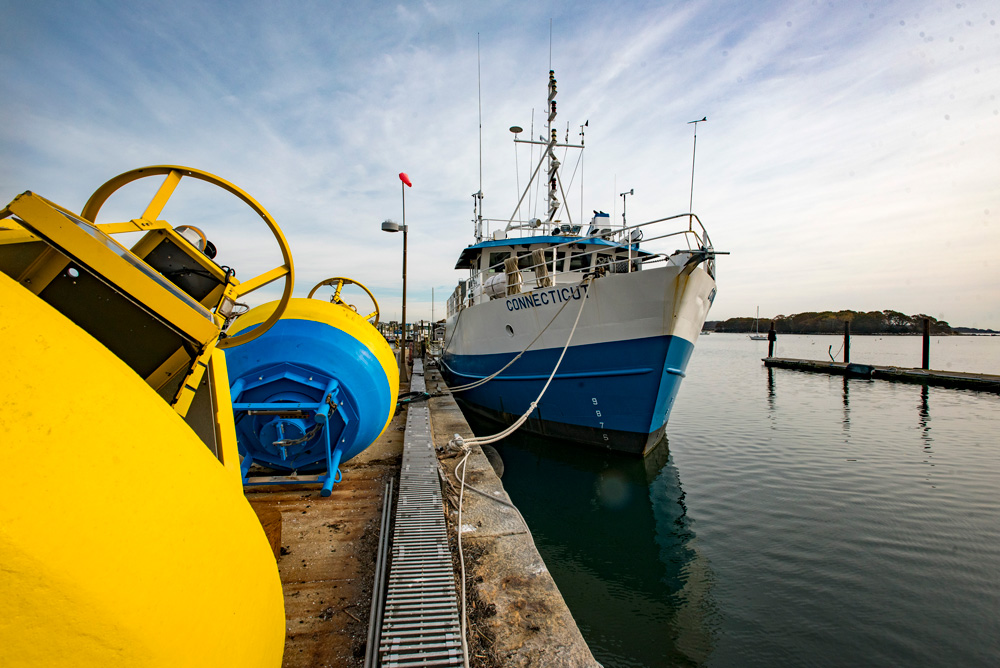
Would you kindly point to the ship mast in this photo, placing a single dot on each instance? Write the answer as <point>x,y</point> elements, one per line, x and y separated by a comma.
<point>547,157</point>
<point>553,162</point>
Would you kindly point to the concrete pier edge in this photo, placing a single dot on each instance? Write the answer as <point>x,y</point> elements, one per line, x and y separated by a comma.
<point>517,616</point>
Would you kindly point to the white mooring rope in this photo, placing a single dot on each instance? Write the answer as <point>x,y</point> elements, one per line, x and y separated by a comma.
<point>466,446</point>
<point>483,381</point>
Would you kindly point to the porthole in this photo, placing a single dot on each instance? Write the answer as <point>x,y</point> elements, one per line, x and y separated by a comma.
<point>510,330</point>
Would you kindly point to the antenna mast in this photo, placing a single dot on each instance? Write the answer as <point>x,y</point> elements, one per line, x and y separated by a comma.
<point>553,162</point>
<point>478,196</point>
<point>479,80</point>
<point>693,151</point>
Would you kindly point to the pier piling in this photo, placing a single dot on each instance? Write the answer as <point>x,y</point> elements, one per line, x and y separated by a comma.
<point>772,336</point>
<point>927,344</point>
<point>847,342</point>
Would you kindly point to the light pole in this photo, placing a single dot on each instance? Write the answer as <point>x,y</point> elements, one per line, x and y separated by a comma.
<point>391,226</point>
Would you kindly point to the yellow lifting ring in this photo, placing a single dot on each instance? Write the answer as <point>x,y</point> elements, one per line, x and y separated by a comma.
<point>341,282</point>
<point>174,174</point>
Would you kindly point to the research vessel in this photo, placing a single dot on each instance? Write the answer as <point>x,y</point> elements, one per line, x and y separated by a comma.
<point>586,329</point>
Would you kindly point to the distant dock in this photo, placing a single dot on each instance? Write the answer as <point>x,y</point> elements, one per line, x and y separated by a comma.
<point>955,379</point>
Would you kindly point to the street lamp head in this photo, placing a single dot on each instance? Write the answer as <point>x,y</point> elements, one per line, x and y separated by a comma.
<point>391,226</point>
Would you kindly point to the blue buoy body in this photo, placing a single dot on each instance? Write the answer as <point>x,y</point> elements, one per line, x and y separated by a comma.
<point>315,390</point>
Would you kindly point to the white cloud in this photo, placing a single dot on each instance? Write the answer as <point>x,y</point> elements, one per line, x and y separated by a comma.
<point>849,159</point>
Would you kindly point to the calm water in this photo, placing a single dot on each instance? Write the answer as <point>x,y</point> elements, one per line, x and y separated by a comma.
<point>792,519</point>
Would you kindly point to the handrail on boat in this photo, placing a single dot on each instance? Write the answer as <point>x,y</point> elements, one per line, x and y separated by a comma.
<point>696,237</point>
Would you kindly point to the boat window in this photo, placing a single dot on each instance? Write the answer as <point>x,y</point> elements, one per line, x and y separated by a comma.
<point>495,260</point>
<point>524,260</point>
<point>560,259</point>
<point>579,261</point>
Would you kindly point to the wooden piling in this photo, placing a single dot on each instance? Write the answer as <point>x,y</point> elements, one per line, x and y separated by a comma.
<point>927,344</point>
<point>772,336</point>
<point>847,342</point>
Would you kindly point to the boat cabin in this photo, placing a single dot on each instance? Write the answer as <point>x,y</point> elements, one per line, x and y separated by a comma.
<point>502,267</point>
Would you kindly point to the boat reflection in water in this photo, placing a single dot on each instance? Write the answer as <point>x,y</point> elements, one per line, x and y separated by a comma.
<point>615,534</point>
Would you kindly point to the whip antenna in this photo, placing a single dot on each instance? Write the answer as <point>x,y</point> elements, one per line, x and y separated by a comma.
<point>479,78</point>
<point>693,151</point>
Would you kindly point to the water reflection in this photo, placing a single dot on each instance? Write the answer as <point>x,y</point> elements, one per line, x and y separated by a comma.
<point>847,405</point>
<point>615,533</point>
<point>770,389</point>
<point>924,419</point>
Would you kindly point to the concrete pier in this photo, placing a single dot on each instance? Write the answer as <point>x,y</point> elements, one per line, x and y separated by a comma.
<point>326,552</point>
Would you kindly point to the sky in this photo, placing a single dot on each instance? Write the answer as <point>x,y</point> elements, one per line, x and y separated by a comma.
<point>850,160</point>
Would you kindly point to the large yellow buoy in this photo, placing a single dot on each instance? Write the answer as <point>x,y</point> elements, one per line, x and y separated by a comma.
<point>107,556</point>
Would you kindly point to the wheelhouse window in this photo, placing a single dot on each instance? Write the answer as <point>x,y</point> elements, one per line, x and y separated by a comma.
<point>580,260</point>
<point>496,262</point>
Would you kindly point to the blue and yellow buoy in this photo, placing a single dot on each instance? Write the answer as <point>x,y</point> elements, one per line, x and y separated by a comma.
<point>315,390</point>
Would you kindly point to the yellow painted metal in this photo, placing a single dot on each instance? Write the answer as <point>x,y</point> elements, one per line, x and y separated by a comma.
<point>225,425</point>
<point>340,282</point>
<point>342,318</point>
<point>49,264</point>
<point>185,393</point>
<point>105,256</point>
<point>134,225</point>
<point>168,370</point>
<point>11,232</point>
<point>107,560</point>
<point>173,175</point>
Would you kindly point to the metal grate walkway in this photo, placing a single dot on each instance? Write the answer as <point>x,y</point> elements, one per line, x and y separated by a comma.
<point>421,625</point>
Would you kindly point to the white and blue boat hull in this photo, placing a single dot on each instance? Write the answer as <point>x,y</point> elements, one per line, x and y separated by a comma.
<point>621,373</point>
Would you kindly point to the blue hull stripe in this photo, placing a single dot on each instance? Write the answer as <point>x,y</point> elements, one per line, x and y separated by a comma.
<point>618,386</point>
<point>582,374</point>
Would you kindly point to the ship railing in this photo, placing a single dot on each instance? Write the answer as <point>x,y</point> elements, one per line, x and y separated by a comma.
<point>628,256</point>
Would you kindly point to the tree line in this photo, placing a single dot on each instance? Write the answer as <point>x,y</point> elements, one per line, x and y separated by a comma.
<point>832,322</point>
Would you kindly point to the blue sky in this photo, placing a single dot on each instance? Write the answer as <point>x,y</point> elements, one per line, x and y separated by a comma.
<point>851,158</point>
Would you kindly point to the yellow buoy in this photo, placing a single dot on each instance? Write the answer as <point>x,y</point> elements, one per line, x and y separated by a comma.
<point>107,560</point>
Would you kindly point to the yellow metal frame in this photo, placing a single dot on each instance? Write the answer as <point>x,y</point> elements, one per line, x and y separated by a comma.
<point>148,221</point>
<point>105,256</point>
<point>78,238</point>
<point>340,282</point>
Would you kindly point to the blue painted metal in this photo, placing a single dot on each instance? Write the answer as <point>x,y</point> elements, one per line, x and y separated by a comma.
<point>634,383</point>
<point>306,397</point>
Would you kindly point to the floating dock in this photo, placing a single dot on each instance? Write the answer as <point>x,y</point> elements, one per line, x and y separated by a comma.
<point>955,379</point>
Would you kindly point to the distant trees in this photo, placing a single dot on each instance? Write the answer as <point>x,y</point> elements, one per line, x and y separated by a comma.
<point>832,322</point>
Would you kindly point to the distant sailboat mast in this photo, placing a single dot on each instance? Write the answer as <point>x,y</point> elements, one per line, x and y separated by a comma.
<point>757,336</point>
